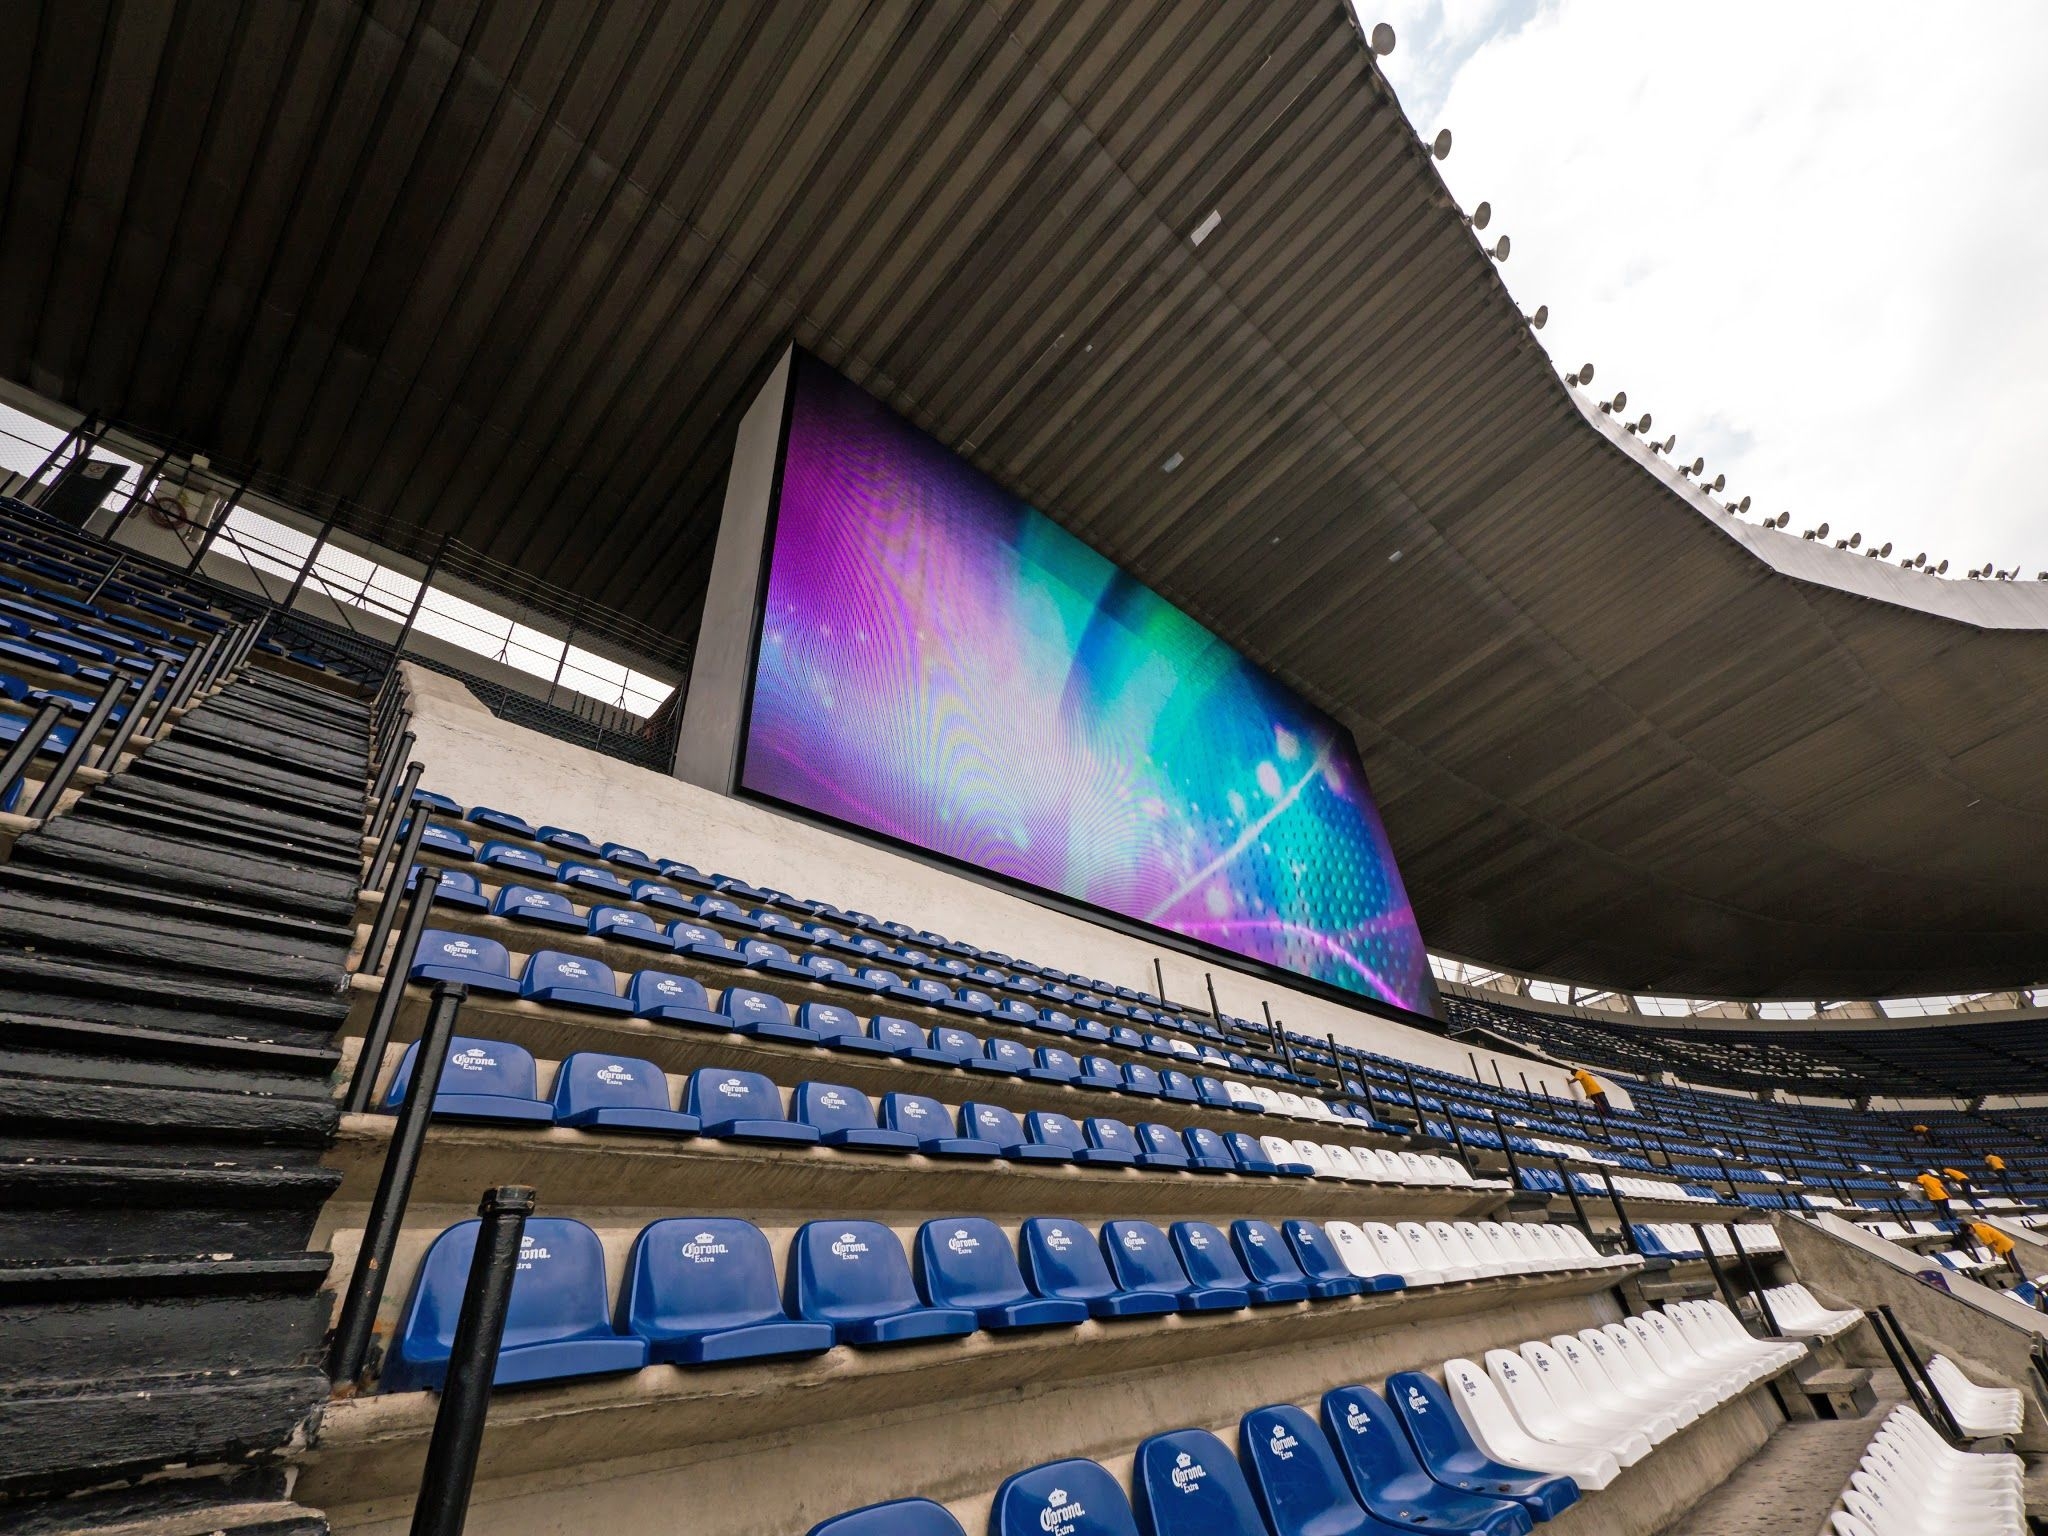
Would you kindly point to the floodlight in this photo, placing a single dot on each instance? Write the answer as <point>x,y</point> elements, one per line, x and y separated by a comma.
<point>1481,216</point>
<point>1742,505</point>
<point>1822,530</point>
<point>1541,318</point>
<point>1720,482</point>
<point>1441,146</point>
<point>1886,552</point>
<point>1941,569</point>
<point>1784,518</point>
<point>1382,39</point>
<point>1855,541</point>
<point>1500,249</point>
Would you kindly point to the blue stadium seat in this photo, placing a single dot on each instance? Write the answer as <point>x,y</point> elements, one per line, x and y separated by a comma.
<point>656,893</point>
<point>443,840</point>
<point>761,1014</point>
<point>510,856</point>
<point>1160,1146</point>
<point>480,1080</point>
<point>1296,1478</point>
<point>839,1028</point>
<point>602,882</point>
<point>558,1322</point>
<point>1061,1498</point>
<point>1141,1080</point>
<point>438,803</point>
<point>898,1517</point>
<point>1392,1483</point>
<point>1447,1449</point>
<point>482,965</point>
<point>831,971</point>
<point>667,998</point>
<point>457,889</point>
<point>1101,1075</point>
<point>1249,1156</point>
<point>1208,1152</point>
<point>853,1275</point>
<point>502,821</point>
<point>903,1039</point>
<point>628,926</point>
<point>1061,1260</point>
<point>1049,1128</point>
<point>968,1262</point>
<point>575,842</point>
<point>843,1117</point>
<point>926,1119</point>
<point>955,1046</point>
<point>1327,1273</point>
<point>523,904</point>
<point>1188,1484</point>
<point>1141,1258</point>
<point>1001,1057</point>
<point>1211,1264</point>
<point>594,1091</point>
<point>628,858</point>
<point>1050,1064</point>
<point>1108,1136</point>
<point>969,1000</point>
<point>571,981</point>
<point>994,1123</point>
<point>742,1106</point>
<point>1270,1268</point>
<point>702,943</point>
<point>703,1290</point>
<point>1210,1091</point>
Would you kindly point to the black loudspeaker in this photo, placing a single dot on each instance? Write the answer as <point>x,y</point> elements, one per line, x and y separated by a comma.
<point>82,488</point>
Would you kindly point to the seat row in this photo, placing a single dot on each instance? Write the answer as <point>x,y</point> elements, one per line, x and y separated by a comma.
<point>577,981</point>
<point>1980,1412</point>
<point>1676,1240</point>
<point>496,1081</point>
<point>1374,1464</point>
<point>1800,1315</point>
<point>1911,1481</point>
<point>1588,1405</point>
<point>1549,1181</point>
<point>703,1290</point>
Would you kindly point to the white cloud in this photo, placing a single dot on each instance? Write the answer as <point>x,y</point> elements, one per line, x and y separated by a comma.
<point>1810,238</point>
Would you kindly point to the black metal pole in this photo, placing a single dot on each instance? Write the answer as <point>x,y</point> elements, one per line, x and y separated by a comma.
<point>246,643</point>
<point>1571,1191</point>
<point>212,529</point>
<point>391,885</point>
<point>1756,1284</point>
<point>81,743</point>
<point>31,490</point>
<point>1477,1076</point>
<point>107,576</point>
<point>371,1056</point>
<point>188,675</point>
<point>312,559</point>
<point>1884,1310</point>
<point>450,1472</point>
<point>418,601</point>
<point>1494,1062</point>
<point>394,1190</point>
<point>1720,1276</point>
<point>1159,979</point>
<point>380,792</point>
<point>1507,1151</point>
<point>1215,1013</point>
<point>118,742</point>
<point>27,744</point>
<point>1927,1409</point>
<point>1415,1100</point>
<point>1628,1233</point>
<point>1457,1136</point>
<point>380,861</point>
<point>142,482</point>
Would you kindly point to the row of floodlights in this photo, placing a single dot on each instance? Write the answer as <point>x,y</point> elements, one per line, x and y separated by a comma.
<point>1382,41</point>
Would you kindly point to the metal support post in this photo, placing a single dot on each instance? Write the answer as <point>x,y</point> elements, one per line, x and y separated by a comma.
<point>118,742</point>
<point>364,1080</point>
<point>81,743</point>
<point>27,744</point>
<point>388,822</point>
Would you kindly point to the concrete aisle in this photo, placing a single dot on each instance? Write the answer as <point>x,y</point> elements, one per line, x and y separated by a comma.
<point>1789,1486</point>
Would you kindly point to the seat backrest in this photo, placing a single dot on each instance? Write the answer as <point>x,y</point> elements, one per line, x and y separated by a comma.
<point>966,1261</point>
<point>1263,1253</point>
<point>1176,1083</point>
<point>829,1021</point>
<point>832,1107</point>
<point>1369,1439</point>
<point>1432,1425</point>
<point>514,899</point>
<point>719,1093</point>
<point>1294,1474</point>
<point>1207,1145</point>
<point>917,1114</point>
<point>991,1122</point>
<point>1061,1259</point>
<point>605,920</point>
<point>1161,1140</point>
<point>1100,1069</point>
<point>848,1272</point>
<point>1061,1498</point>
<point>1313,1251</point>
<point>1141,1257</point>
<point>1141,1078</point>
<point>1205,1253</point>
<point>462,952</point>
<point>494,1067</point>
<point>593,1080</point>
<point>1052,1059</point>
<point>558,1290</point>
<point>664,989</point>
<point>1049,1128</point>
<point>1246,1149</point>
<point>955,1044</point>
<point>897,1034</point>
<point>1111,1135</point>
<point>745,1005</point>
<point>1187,1483</point>
<point>898,1517</point>
<point>553,968</point>
<point>699,1272</point>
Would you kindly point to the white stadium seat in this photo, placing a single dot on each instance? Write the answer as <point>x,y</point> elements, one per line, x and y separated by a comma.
<point>1497,1431</point>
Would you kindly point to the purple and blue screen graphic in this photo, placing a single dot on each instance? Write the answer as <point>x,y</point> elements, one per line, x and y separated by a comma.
<point>942,664</point>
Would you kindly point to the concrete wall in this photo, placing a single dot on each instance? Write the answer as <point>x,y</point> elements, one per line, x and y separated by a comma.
<point>480,760</point>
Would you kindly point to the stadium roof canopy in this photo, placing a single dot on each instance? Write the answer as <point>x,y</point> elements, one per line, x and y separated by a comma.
<point>512,270</point>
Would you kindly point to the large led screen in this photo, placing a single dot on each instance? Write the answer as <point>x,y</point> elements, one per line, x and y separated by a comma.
<point>943,665</point>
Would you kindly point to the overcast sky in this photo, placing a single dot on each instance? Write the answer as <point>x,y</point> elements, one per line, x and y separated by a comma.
<point>1810,238</point>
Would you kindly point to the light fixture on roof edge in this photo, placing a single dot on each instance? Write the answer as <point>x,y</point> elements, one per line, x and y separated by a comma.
<point>1582,375</point>
<point>1541,318</point>
<point>1382,40</point>
<point>1481,216</point>
<point>1440,146</point>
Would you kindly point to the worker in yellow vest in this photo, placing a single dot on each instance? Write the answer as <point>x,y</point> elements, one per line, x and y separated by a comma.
<point>1997,1165</point>
<point>2001,1245</point>
<point>1936,1193</point>
<point>1594,1090</point>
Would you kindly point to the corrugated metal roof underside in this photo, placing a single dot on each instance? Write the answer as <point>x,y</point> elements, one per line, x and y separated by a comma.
<point>512,270</point>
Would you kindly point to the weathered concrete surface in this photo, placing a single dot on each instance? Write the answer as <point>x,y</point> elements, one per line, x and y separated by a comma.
<point>1989,1348</point>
